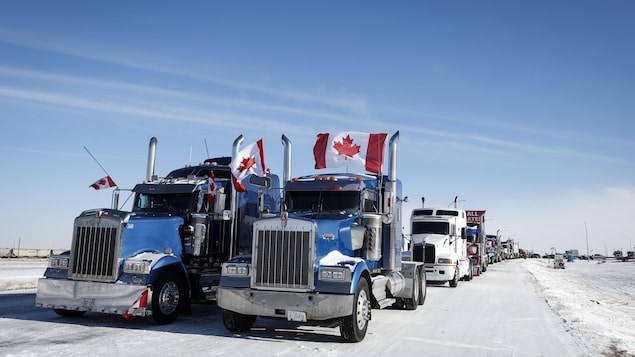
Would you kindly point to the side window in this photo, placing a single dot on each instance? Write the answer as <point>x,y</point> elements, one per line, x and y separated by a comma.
<point>370,202</point>
<point>260,181</point>
<point>143,201</point>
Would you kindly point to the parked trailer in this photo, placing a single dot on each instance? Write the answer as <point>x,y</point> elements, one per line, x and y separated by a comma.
<point>28,252</point>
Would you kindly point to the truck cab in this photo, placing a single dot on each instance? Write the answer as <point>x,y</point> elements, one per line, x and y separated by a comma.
<point>166,252</point>
<point>333,254</point>
<point>443,234</point>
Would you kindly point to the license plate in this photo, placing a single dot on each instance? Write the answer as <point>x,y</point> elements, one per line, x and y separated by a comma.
<point>299,316</point>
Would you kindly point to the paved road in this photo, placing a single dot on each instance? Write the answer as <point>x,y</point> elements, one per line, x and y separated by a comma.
<point>500,313</point>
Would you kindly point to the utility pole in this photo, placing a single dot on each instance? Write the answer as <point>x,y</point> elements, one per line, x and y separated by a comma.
<point>586,232</point>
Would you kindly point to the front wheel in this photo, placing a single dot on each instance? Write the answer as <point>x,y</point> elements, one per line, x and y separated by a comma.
<point>455,281</point>
<point>236,322</point>
<point>168,297</point>
<point>470,274</point>
<point>423,287</point>
<point>353,328</point>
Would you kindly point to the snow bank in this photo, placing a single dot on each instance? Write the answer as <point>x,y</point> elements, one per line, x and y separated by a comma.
<point>17,274</point>
<point>596,301</point>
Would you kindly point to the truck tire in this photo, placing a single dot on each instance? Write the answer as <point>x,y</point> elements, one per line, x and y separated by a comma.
<point>412,302</point>
<point>168,296</point>
<point>353,328</point>
<point>236,322</point>
<point>69,313</point>
<point>470,274</point>
<point>455,281</point>
<point>424,288</point>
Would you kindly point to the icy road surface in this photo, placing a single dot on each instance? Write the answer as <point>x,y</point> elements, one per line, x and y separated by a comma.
<point>517,308</point>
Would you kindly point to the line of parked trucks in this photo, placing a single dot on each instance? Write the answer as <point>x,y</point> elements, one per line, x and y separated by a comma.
<point>320,249</point>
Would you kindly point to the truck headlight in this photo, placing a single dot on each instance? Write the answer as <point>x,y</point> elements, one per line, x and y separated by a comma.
<point>58,262</point>
<point>336,274</point>
<point>444,260</point>
<point>236,269</point>
<point>135,266</point>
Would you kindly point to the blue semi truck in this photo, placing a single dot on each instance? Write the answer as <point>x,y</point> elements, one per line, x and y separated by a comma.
<point>167,251</point>
<point>335,252</point>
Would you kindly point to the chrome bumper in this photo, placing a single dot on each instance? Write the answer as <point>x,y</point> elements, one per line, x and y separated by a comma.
<point>277,303</point>
<point>111,298</point>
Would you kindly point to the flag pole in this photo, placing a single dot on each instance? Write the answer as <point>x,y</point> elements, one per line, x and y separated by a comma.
<point>91,155</point>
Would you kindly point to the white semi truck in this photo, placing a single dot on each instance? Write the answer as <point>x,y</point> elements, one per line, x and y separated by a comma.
<point>443,233</point>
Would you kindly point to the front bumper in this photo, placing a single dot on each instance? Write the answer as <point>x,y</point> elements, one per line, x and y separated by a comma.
<point>440,272</point>
<point>110,298</point>
<point>317,306</point>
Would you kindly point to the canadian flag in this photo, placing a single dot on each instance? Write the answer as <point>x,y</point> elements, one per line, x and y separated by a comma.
<point>362,150</point>
<point>211,188</point>
<point>105,182</point>
<point>250,160</point>
<point>141,302</point>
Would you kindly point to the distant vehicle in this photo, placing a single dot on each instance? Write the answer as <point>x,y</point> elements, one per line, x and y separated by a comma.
<point>629,255</point>
<point>534,255</point>
<point>558,261</point>
<point>597,256</point>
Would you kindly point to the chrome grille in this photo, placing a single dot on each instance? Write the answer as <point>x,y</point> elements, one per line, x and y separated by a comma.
<point>96,248</point>
<point>283,256</point>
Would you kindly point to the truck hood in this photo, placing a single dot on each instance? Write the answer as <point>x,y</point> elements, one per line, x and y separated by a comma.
<point>438,240</point>
<point>333,232</point>
<point>158,232</point>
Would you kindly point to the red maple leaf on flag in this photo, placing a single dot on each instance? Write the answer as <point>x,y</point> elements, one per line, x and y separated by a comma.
<point>346,147</point>
<point>246,163</point>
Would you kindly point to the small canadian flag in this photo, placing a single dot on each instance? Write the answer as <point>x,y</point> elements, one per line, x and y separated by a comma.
<point>211,188</point>
<point>105,182</point>
<point>141,302</point>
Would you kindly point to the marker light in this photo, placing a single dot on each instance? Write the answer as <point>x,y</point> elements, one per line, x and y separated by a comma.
<point>237,269</point>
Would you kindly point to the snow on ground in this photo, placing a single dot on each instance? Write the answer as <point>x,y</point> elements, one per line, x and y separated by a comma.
<point>20,274</point>
<point>595,300</point>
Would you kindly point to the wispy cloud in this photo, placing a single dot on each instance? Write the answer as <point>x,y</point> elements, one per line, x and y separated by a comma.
<point>353,103</point>
<point>228,102</point>
<point>350,109</point>
<point>212,118</point>
<point>559,151</point>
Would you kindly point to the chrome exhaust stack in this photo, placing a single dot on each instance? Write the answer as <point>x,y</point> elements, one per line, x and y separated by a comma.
<point>152,150</point>
<point>286,167</point>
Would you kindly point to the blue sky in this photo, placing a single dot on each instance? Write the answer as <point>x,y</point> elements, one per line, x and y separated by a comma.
<point>524,109</point>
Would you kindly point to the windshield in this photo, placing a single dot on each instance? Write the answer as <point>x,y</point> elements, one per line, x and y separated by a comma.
<point>168,203</point>
<point>430,228</point>
<point>345,202</point>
